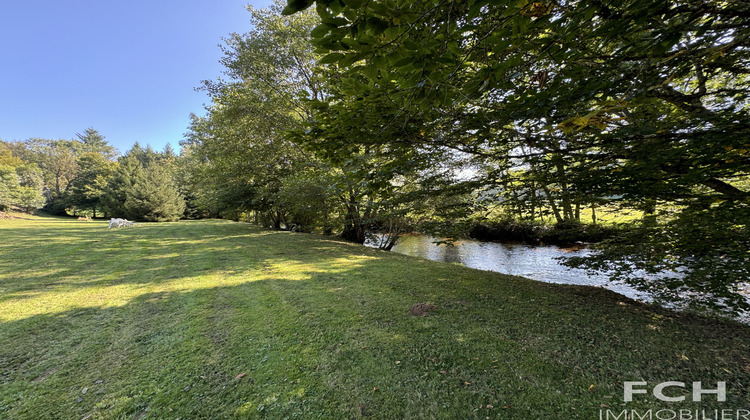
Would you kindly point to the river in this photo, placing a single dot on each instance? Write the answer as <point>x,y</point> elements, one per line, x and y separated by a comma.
<point>530,261</point>
<point>537,262</point>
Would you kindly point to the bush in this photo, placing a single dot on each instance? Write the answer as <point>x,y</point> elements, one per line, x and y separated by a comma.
<point>56,207</point>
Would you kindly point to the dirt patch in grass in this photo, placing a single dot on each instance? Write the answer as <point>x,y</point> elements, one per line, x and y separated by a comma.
<point>421,309</point>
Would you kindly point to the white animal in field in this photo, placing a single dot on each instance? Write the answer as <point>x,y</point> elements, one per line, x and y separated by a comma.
<point>121,223</point>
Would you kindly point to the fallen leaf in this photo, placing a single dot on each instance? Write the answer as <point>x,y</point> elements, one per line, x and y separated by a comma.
<point>84,390</point>
<point>442,372</point>
<point>591,388</point>
<point>603,406</point>
<point>683,357</point>
<point>398,362</point>
<point>506,406</point>
<point>240,376</point>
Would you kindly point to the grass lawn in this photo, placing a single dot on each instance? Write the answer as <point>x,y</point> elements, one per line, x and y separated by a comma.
<point>215,319</point>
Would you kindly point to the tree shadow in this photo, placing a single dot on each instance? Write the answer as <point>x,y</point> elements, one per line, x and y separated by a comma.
<point>169,316</point>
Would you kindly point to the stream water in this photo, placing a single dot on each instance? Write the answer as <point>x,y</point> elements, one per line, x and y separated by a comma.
<point>530,261</point>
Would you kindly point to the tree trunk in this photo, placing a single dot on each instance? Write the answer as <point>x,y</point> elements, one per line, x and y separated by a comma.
<point>552,204</point>
<point>57,185</point>
<point>593,213</point>
<point>354,229</point>
<point>562,179</point>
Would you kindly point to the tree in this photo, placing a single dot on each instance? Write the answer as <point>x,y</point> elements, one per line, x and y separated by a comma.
<point>643,103</point>
<point>91,141</point>
<point>238,147</point>
<point>121,181</point>
<point>143,188</point>
<point>87,189</point>
<point>154,196</point>
<point>20,183</point>
<point>57,159</point>
<point>8,186</point>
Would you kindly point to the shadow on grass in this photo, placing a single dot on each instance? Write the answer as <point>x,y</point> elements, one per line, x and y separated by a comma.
<point>333,348</point>
<point>46,260</point>
<point>211,319</point>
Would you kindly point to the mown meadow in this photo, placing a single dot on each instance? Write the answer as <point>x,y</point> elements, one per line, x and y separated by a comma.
<point>217,319</point>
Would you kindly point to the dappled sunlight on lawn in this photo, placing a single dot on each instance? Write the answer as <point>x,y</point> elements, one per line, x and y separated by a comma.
<point>214,319</point>
<point>85,268</point>
<point>61,299</point>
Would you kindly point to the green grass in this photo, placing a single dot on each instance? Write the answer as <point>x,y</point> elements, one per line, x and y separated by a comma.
<point>215,319</point>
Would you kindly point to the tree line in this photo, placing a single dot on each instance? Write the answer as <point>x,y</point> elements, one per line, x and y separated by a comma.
<point>85,176</point>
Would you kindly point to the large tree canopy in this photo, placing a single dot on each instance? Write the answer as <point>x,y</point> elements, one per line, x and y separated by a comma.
<point>239,144</point>
<point>641,102</point>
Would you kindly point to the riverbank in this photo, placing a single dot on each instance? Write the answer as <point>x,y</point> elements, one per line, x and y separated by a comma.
<point>220,319</point>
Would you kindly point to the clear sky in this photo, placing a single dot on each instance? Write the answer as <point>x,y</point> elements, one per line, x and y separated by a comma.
<point>125,68</point>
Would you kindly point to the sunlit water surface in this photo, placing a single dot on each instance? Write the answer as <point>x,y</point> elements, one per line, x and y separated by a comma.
<point>531,261</point>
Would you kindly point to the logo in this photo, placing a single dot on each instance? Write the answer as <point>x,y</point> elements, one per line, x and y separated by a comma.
<point>675,392</point>
<point>658,391</point>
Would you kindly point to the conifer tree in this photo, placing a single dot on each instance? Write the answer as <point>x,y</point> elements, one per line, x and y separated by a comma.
<point>154,196</point>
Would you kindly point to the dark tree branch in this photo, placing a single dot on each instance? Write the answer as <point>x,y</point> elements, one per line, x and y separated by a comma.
<point>729,191</point>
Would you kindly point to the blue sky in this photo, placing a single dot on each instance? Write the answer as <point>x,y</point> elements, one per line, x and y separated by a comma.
<point>126,68</point>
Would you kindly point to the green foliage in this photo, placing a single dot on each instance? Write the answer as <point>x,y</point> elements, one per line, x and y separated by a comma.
<point>236,154</point>
<point>143,188</point>
<point>641,103</point>
<point>70,172</point>
<point>91,141</point>
<point>57,160</point>
<point>308,199</point>
<point>86,190</point>
<point>29,199</point>
<point>8,186</point>
<point>20,183</point>
<point>154,196</point>
<point>122,180</point>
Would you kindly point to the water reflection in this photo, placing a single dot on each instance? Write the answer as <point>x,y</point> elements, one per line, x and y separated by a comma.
<point>530,261</point>
<point>534,262</point>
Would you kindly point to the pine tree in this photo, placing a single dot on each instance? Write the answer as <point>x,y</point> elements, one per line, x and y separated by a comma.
<point>154,196</point>
<point>115,193</point>
<point>93,142</point>
<point>143,189</point>
<point>86,190</point>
